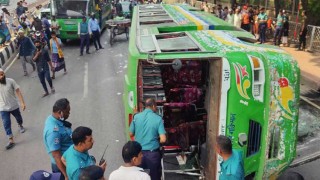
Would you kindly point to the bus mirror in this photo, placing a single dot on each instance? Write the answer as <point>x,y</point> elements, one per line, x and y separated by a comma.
<point>176,64</point>
<point>242,139</point>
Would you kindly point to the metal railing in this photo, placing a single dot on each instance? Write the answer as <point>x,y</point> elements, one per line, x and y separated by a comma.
<point>313,35</point>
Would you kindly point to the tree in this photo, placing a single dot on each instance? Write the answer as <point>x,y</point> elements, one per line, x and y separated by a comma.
<point>313,7</point>
<point>277,7</point>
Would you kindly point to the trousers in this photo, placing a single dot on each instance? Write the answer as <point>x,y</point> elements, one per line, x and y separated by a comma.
<point>85,41</point>
<point>262,32</point>
<point>152,161</point>
<point>277,35</point>
<point>96,39</point>
<point>43,75</point>
<point>5,115</point>
<point>25,60</point>
<point>303,39</point>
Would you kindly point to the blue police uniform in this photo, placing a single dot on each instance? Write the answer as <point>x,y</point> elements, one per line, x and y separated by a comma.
<point>146,127</point>
<point>75,161</point>
<point>95,29</point>
<point>232,168</point>
<point>56,137</point>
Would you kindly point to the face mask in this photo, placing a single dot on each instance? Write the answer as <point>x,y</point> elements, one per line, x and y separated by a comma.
<point>38,47</point>
<point>61,116</point>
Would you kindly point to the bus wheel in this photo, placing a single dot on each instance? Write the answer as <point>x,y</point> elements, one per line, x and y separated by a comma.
<point>64,41</point>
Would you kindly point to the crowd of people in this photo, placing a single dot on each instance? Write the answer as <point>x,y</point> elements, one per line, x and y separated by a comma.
<point>255,20</point>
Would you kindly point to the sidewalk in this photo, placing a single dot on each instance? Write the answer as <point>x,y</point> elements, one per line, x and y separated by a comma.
<point>309,64</point>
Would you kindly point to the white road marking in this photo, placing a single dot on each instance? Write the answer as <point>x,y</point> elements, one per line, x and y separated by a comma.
<point>14,60</point>
<point>85,81</point>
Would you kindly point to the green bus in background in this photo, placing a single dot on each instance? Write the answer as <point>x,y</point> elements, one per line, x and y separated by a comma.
<point>210,78</point>
<point>70,12</point>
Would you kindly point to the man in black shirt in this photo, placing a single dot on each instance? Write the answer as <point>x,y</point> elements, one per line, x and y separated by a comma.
<point>43,62</point>
<point>37,23</point>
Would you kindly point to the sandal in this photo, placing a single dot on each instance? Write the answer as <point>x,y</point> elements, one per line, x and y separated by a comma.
<point>53,77</point>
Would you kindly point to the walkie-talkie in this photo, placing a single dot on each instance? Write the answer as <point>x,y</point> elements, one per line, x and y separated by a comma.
<point>102,160</point>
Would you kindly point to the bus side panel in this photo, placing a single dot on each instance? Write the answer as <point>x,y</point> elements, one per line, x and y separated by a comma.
<point>283,100</point>
<point>244,110</point>
<point>130,96</point>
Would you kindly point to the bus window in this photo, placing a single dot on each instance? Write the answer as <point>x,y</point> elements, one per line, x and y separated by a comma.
<point>258,78</point>
<point>70,8</point>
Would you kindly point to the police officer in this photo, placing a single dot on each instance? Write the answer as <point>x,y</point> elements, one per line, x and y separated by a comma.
<point>232,164</point>
<point>146,128</point>
<point>57,134</point>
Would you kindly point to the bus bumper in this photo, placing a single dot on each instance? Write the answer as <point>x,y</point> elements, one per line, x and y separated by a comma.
<point>69,35</point>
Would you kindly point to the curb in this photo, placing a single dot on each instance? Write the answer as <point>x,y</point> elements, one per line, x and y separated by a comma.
<point>8,52</point>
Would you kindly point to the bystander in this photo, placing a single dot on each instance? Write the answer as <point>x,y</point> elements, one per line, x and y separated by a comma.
<point>26,50</point>
<point>279,28</point>
<point>43,61</point>
<point>9,105</point>
<point>262,19</point>
<point>132,157</point>
<point>303,32</point>
<point>57,55</point>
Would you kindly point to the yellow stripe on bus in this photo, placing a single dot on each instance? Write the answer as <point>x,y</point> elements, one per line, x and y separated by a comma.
<point>199,25</point>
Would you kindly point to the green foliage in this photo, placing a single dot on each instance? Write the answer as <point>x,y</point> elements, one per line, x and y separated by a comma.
<point>313,8</point>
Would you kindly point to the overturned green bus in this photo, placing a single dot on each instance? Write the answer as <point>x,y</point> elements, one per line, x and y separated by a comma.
<point>210,78</point>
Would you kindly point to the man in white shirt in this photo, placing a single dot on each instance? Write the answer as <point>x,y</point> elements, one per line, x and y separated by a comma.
<point>132,157</point>
<point>9,105</point>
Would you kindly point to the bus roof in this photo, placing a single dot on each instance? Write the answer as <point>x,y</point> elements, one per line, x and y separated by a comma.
<point>174,28</point>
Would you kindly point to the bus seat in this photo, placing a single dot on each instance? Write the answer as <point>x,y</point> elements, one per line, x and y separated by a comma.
<point>186,95</point>
<point>189,74</point>
<point>178,113</point>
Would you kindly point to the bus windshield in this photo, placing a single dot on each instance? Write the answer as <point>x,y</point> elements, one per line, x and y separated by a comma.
<point>70,8</point>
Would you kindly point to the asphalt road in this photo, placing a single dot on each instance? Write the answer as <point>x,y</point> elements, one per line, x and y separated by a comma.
<point>94,86</point>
